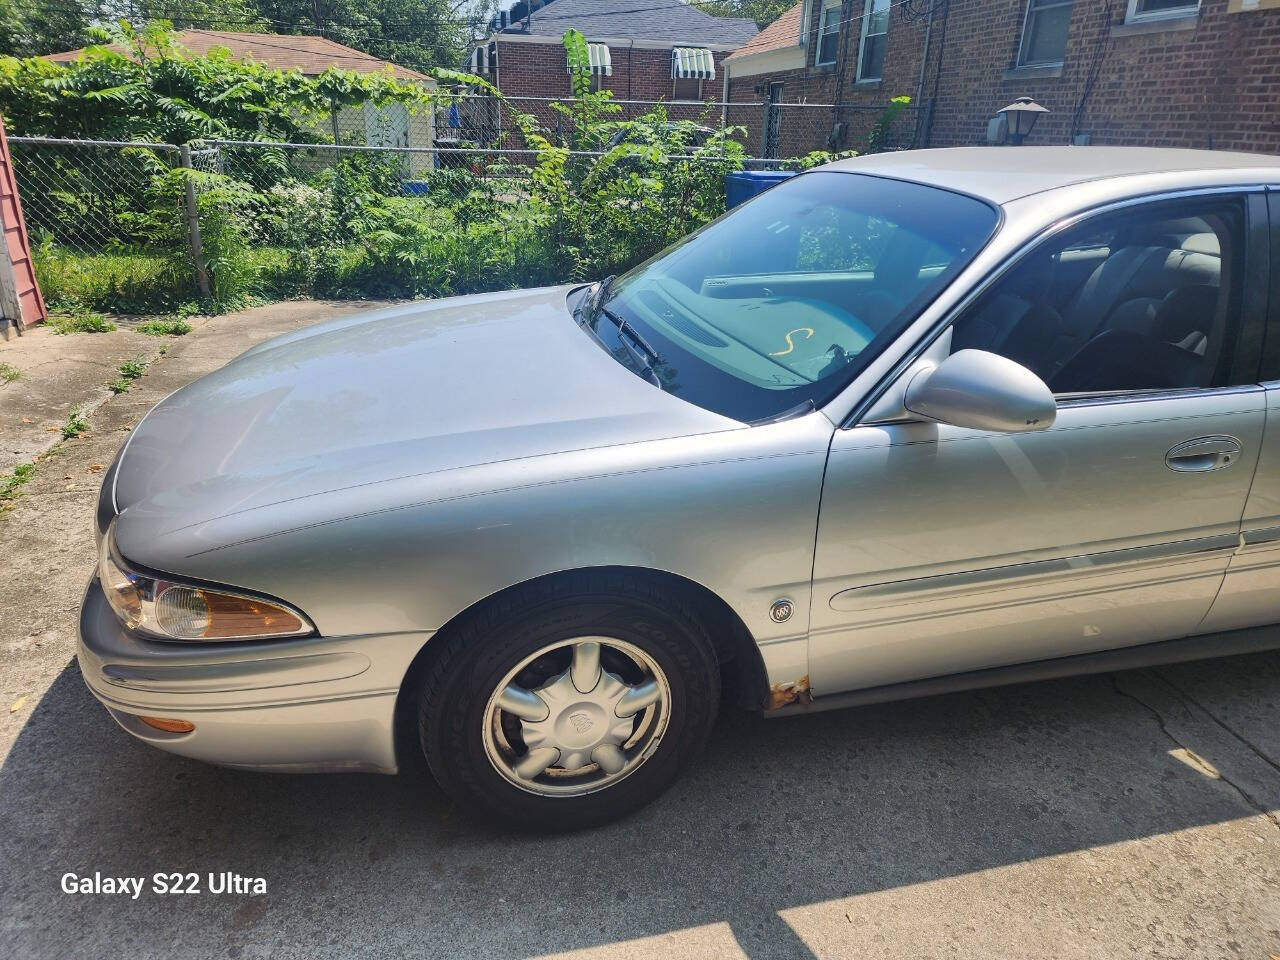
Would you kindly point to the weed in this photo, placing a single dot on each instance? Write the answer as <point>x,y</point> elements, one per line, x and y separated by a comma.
<point>169,327</point>
<point>129,371</point>
<point>80,321</point>
<point>9,373</point>
<point>9,485</point>
<point>76,423</point>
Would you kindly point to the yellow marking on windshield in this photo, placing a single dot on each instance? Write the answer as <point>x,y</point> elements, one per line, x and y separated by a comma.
<point>790,344</point>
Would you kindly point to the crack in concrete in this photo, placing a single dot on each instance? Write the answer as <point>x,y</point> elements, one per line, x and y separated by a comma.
<point>1245,795</point>
<point>88,409</point>
<point>1253,747</point>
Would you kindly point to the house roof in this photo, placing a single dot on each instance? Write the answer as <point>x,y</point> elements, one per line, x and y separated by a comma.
<point>783,32</point>
<point>310,55</point>
<point>666,20</point>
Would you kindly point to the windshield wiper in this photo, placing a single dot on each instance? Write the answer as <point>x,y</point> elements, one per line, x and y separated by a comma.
<point>637,347</point>
<point>641,352</point>
<point>626,328</point>
<point>598,296</point>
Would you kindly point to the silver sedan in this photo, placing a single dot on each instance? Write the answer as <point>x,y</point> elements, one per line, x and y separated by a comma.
<point>904,424</point>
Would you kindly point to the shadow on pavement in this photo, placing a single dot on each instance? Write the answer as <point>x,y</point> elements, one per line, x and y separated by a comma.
<point>777,814</point>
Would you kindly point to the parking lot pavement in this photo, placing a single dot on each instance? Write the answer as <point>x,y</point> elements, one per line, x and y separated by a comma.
<point>1125,815</point>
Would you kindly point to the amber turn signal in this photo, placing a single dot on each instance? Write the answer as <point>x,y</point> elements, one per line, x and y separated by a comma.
<point>168,726</point>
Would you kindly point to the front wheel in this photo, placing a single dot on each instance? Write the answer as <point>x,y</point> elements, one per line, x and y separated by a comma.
<point>566,708</point>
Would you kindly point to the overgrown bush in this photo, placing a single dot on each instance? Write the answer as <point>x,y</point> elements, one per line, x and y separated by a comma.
<point>147,87</point>
<point>588,205</point>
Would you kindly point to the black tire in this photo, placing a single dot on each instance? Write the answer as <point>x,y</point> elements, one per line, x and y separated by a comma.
<point>478,652</point>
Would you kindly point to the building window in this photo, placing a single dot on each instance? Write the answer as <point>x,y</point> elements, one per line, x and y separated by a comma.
<point>1044,33</point>
<point>1161,9</point>
<point>875,32</point>
<point>690,66</point>
<point>828,35</point>
<point>686,88</point>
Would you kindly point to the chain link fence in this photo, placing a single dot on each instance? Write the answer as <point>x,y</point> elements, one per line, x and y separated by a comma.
<point>108,221</point>
<point>91,195</point>
<point>143,227</point>
<point>768,130</point>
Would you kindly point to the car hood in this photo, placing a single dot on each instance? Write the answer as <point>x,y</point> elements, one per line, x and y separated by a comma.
<point>389,394</point>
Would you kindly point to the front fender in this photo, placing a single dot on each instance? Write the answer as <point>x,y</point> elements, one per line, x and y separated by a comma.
<point>735,511</point>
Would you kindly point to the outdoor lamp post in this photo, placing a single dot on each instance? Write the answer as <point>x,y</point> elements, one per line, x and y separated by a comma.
<point>1020,116</point>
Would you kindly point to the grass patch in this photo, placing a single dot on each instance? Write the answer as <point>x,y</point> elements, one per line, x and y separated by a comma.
<point>169,327</point>
<point>128,372</point>
<point>10,485</point>
<point>76,423</point>
<point>126,282</point>
<point>9,373</point>
<point>80,321</point>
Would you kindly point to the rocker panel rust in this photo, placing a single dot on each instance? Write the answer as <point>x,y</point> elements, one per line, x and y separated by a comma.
<point>789,693</point>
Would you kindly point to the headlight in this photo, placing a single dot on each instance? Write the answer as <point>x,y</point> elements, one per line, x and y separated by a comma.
<point>182,611</point>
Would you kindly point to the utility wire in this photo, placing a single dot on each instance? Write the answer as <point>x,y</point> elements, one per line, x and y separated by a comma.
<point>539,15</point>
<point>162,12</point>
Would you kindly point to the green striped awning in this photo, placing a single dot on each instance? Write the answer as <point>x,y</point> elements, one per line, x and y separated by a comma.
<point>692,63</point>
<point>598,59</point>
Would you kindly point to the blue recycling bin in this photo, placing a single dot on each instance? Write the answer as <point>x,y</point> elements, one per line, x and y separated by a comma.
<point>745,184</point>
<point>415,188</point>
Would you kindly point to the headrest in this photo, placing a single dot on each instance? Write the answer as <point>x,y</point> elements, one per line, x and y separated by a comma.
<point>1202,243</point>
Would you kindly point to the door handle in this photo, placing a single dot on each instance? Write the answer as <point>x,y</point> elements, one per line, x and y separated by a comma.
<point>1203,454</point>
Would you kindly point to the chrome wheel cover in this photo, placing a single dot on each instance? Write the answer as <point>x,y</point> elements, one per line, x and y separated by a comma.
<point>595,710</point>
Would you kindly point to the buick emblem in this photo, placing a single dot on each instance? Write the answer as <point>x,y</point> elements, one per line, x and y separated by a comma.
<point>581,722</point>
<point>780,611</point>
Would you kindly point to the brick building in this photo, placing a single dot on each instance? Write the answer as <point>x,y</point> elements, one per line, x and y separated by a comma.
<point>1190,73</point>
<point>655,50</point>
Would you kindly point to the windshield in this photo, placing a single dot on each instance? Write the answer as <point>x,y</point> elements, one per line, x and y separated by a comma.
<point>783,300</point>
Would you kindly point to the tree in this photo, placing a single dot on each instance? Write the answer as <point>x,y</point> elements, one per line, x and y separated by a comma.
<point>414,33</point>
<point>239,16</point>
<point>32,29</point>
<point>763,12</point>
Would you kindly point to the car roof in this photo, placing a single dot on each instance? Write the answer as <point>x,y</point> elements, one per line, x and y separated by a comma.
<point>1002,174</point>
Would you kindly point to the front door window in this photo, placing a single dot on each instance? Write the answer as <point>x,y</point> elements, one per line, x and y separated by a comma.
<point>1130,302</point>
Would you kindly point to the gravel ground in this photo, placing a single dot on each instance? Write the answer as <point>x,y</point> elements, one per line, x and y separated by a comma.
<point>1126,815</point>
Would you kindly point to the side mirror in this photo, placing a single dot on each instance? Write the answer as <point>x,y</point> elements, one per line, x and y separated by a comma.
<point>982,391</point>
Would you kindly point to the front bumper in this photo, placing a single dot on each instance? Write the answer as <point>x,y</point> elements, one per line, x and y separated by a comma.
<point>310,704</point>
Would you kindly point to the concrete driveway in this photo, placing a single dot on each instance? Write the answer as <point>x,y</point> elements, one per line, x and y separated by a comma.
<point>1124,815</point>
